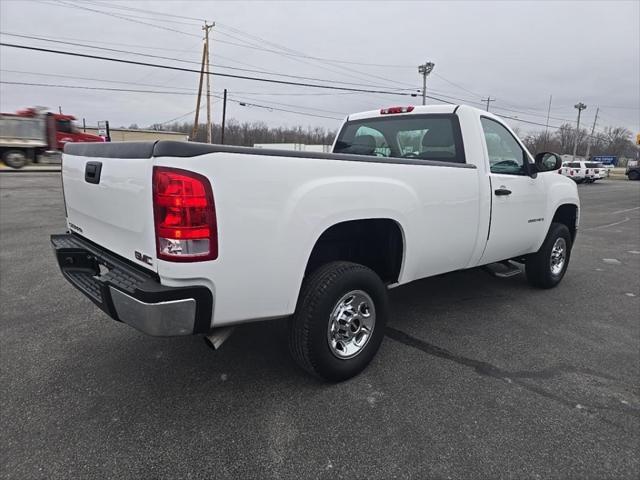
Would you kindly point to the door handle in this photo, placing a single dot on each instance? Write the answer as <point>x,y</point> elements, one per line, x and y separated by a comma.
<point>502,191</point>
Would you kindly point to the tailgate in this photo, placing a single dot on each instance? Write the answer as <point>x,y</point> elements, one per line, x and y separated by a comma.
<point>109,198</point>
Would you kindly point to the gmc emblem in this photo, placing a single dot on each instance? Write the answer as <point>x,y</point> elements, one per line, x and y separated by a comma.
<point>143,258</point>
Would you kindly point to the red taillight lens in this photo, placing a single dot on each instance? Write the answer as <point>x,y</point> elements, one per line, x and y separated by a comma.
<point>385,111</point>
<point>185,216</point>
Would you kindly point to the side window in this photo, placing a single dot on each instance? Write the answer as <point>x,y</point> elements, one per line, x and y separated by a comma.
<point>505,154</point>
<point>64,126</point>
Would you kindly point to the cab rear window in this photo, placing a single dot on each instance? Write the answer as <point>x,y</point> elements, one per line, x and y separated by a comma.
<point>426,137</point>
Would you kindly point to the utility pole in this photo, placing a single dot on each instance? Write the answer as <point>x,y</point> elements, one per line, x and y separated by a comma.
<point>204,70</point>
<point>546,128</point>
<point>425,70</point>
<point>224,116</point>
<point>194,130</point>
<point>488,100</point>
<point>580,106</point>
<point>207,28</point>
<point>60,110</point>
<point>593,129</point>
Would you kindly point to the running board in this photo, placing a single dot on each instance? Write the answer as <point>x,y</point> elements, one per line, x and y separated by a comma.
<point>504,269</point>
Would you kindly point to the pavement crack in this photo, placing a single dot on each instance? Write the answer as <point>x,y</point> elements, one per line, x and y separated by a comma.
<point>517,377</point>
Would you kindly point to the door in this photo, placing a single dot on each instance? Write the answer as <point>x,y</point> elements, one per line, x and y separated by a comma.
<point>517,200</point>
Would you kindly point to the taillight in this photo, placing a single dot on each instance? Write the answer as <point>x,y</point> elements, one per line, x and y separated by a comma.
<point>184,216</point>
<point>385,111</point>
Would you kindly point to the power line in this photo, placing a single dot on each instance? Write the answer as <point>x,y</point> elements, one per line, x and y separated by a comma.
<point>227,75</point>
<point>130,90</point>
<point>155,19</point>
<point>123,82</point>
<point>554,127</point>
<point>299,58</point>
<point>114,15</point>
<point>63,3</point>
<point>148,55</point>
<point>295,106</point>
<point>289,52</point>
<point>151,12</point>
<point>456,85</point>
<point>201,20</point>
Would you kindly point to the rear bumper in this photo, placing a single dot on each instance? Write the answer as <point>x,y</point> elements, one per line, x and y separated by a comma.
<point>130,294</point>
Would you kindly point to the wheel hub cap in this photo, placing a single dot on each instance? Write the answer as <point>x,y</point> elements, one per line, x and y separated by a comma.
<point>351,324</point>
<point>558,256</point>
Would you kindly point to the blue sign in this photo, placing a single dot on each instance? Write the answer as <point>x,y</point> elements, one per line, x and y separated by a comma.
<point>605,159</point>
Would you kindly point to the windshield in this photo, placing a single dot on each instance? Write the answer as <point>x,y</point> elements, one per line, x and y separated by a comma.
<point>428,137</point>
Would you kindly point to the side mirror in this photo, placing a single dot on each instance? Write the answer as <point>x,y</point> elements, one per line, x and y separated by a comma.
<point>548,161</point>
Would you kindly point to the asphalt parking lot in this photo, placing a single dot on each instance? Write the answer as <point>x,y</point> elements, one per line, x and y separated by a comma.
<point>478,377</point>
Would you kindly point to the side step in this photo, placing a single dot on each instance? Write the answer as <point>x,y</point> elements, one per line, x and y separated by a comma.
<point>504,269</point>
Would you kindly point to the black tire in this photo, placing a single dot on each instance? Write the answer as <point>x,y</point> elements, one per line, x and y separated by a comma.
<point>15,158</point>
<point>634,175</point>
<point>309,326</point>
<point>579,181</point>
<point>538,266</point>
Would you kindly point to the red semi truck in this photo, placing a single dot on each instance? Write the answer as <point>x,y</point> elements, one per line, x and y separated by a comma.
<point>30,134</point>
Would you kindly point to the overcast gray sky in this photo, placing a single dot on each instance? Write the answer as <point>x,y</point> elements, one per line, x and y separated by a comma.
<point>517,52</point>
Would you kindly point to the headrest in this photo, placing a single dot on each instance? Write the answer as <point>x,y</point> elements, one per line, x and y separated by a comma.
<point>365,141</point>
<point>439,135</point>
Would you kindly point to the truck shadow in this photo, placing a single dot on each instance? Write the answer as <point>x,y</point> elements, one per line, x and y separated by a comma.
<point>259,350</point>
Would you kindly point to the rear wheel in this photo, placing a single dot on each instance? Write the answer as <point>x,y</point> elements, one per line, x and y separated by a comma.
<point>14,158</point>
<point>547,266</point>
<point>339,321</point>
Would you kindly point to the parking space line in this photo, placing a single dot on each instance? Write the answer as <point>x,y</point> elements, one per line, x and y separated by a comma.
<point>625,210</point>
<point>626,219</point>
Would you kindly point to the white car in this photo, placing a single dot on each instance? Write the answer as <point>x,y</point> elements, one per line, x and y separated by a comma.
<point>576,171</point>
<point>177,238</point>
<point>594,171</point>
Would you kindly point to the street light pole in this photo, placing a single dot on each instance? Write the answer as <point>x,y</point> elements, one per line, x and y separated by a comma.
<point>580,106</point>
<point>425,70</point>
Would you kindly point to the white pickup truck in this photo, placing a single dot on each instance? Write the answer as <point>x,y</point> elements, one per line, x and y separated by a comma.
<point>184,238</point>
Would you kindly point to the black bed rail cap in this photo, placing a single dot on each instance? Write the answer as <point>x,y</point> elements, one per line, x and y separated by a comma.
<point>111,149</point>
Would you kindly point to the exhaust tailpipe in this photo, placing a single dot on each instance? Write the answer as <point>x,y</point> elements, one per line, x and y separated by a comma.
<point>218,336</point>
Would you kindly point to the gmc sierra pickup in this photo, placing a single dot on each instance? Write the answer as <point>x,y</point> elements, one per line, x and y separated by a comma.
<point>179,238</point>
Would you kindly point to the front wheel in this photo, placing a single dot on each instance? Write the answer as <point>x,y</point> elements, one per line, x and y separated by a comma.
<point>339,321</point>
<point>547,266</point>
<point>634,175</point>
<point>14,158</point>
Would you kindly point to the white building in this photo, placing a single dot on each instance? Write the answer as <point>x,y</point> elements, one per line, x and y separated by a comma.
<point>299,147</point>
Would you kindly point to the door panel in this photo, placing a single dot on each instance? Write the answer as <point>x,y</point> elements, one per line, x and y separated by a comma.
<point>516,218</point>
<point>517,200</point>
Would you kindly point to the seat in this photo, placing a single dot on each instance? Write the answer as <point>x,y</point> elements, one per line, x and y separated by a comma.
<point>363,145</point>
<point>438,143</point>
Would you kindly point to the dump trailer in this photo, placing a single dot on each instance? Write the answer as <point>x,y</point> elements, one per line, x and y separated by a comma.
<point>32,134</point>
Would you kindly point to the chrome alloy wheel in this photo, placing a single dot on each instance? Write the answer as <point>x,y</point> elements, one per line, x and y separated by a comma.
<point>351,324</point>
<point>558,256</point>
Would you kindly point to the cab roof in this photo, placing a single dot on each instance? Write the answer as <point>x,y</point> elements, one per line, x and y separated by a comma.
<point>417,110</point>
